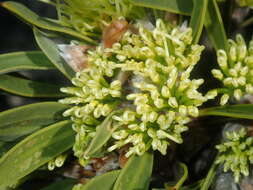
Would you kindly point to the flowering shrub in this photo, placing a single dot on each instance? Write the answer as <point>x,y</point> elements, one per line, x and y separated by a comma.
<point>137,79</point>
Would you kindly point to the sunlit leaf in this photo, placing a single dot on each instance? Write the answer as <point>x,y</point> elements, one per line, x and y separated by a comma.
<point>136,173</point>
<point>34,151</point>
<point>215,27</point>
<point>29,88</point>
<point>103,134</point>
<point>32,18</point>
<point>103,182</point>
<point>198,18</point>
<point>35,60</point>
<point>174,6</point>
<point>49,47</point>
<point>23,120</point>
<point>243,111</point>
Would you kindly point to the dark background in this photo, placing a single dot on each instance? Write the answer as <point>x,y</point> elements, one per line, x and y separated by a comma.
<point>15,35</point>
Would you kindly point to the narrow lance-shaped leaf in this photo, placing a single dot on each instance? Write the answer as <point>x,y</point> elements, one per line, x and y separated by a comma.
<point>34,151</point>
<point>32,18</point>
<point>49,47</point>
<point>243,111</point>
<point>29,88</point>
<point>36,60</point>
<point>23,120</point>
<point>136,173</point>
<point>103,182</point>
<point>198,18</point>
<point>175,6</point>
<point>103,134</point>
<point>215,27</point>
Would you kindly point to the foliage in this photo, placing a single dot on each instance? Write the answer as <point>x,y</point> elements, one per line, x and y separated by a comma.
<point>132,64</point>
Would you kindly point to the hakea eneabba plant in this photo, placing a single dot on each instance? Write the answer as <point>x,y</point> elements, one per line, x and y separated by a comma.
<point>146,78</point>
<point>236,70</point>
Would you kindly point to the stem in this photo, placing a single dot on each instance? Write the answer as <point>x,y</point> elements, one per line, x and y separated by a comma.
<point>210,176</point>
<point>184,177</point>
<point>246,23</point>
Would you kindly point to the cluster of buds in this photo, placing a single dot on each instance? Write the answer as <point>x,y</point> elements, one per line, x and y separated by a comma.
<point>236,70</point>
<point>57,162</point>
<point>156,95</point>
<point>236,153</point>
<point>88,17</point>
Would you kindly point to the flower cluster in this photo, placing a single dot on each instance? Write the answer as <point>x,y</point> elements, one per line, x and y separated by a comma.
<point>236,70</point>
<point>89,17</point>
<point>147,76</point>
<point>236,153</point>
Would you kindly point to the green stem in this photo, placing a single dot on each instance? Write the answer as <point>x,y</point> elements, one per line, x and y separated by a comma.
<point>184,177</point>
<point>210,176</point>
<point>246,23</point>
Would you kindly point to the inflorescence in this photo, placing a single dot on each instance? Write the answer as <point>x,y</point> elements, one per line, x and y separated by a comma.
<point>146,76</point>
<point>236,70</point>
<point>236,153</point>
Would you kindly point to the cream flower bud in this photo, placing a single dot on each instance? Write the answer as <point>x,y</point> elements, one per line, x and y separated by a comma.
<point>228,81</point>
<point>159,103</point>
<point>233,72</point>
<point>237,94</point>
<point>222,59</point>
<point>232,50</point>
<point>133,127</point>
<point>182,109</point>
<point>115,85</point>
<point>59,161</point>
<point>165,92</point>
<point>122,134</point>
<point>152,116</point>
<point>241,48</point>
<point>217,74</point>
<point>193,111</point>
<point>173,102</point>
<point>224,99</point>
<point>249,88</point>
<point>211,94</point>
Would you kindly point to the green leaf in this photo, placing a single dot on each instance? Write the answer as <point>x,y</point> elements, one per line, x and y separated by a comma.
<point>32,18</point>
<point>103,134</point>
<point>34,151</point>
<point>24,120</point>
<point>136,173</point>
<point>5,146</point>
<point>49,47</point>
<point>29,88</point>
<point>243,111</point>
<point>198,18</point>
<point>65,184</point>
<point>175,6</point>
<point>103,182</point>
<point>35,60</point>
<point>215,27</point>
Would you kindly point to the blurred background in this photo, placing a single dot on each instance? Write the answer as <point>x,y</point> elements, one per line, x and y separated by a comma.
<point>15,35</point>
